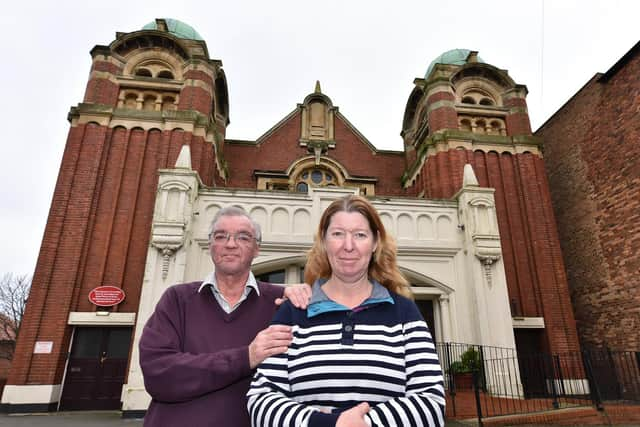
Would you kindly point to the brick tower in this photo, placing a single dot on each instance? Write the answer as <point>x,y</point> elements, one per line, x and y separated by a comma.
<point>467,111</point>
<point>149,93</point>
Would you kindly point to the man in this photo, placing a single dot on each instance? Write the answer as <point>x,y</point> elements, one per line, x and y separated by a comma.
<point>200,347</point>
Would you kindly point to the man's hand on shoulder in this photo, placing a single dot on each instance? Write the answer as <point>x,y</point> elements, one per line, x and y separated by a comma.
<point>299,295</point>
<point>271,341</point>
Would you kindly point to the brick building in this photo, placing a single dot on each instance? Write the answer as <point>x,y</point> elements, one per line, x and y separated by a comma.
<point>592,158</point>
<point>147,165</point>
<point>7,346</point>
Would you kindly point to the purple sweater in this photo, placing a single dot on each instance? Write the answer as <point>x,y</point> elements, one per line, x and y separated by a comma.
<point>195,357</point>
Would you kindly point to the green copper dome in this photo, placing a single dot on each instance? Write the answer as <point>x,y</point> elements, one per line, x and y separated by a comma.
<point>177,28</point>
<point>451,57</point>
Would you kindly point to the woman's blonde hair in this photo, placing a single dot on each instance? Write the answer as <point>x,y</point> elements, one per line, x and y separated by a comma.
<point>383,266</point>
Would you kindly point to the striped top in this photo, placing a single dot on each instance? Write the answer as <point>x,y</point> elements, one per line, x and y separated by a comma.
<point>380,352</point>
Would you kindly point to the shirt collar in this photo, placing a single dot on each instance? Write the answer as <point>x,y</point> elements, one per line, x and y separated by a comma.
<point>321,303</point>
<point>210,280</point>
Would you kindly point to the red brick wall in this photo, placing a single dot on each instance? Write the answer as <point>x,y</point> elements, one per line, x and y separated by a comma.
<point>282,148</point>
<point>443,117</point>
<point>518,120</point>
<point>360,160</point>
<point>592,157</point>
<point>5,364</point>
<point>276,153</point>
<point>199,75</point>
<point>97,234</point>
<point>101,90</point>
<point>105,66</point>
<point>534,269</point>
<point>195,98</point>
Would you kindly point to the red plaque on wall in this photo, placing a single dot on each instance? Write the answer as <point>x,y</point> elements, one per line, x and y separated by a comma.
<point>106,296</point>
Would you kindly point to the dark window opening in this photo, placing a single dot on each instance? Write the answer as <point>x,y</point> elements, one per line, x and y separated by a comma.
<point>143,72</point>
<point>271,277</point>
<point>164,74</point>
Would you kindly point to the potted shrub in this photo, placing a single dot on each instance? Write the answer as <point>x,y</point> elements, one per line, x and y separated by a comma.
<point>463,369</point>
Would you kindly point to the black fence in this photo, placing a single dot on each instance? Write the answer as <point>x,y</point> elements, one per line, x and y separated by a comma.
<point>487,381</point>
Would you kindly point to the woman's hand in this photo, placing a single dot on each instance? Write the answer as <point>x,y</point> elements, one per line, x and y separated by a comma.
<point>354,417</point>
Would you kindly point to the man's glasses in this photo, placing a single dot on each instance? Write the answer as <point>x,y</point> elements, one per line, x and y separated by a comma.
<point>241,237</point>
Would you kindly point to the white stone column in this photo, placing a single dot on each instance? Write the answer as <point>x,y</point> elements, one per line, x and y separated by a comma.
<point>445,318</point>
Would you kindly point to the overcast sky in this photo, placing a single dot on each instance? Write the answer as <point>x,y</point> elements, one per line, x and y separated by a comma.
<point>366,55</point>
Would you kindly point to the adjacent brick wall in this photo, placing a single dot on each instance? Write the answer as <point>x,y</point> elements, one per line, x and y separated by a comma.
<point>592,154</point>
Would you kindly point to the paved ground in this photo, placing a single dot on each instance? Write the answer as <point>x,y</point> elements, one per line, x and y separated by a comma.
<point>87,419</point>
<point>91,419</point>
<point>113,418</point>
<point>70,419</point>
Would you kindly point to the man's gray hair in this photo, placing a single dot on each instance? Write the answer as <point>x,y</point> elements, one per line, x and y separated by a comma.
<point>236,211</point>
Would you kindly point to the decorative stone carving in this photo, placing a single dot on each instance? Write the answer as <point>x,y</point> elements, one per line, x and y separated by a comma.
<point>167,237</point>
<point>174,204</point>
<point>318,148</point>
<point>477,217</point>
<point>487,261</point>
<point>318,115</point>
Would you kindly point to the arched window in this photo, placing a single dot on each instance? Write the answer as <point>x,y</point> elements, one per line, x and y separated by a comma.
<point>481,126</point>
<point>143,72</point>
<point>131,101</point>
<point>477,96</point>
<point>168,103</point>
<point>314,177</point>
<point>149,103</point>
<point>494,128</point>
<point>165,74</point>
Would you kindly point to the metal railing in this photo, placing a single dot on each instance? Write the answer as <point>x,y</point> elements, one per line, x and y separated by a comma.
<point>483,381</point>
<point>615,374</point>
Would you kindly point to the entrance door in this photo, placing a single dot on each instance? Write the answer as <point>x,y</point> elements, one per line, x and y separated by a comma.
<point>536,366</point>
<point>96,369</point>
<point>426,308</point>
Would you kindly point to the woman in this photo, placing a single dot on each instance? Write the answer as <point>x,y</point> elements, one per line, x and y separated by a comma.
<point>361,352</point>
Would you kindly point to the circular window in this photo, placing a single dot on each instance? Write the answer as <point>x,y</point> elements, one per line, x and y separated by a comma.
<point>315,177</point>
